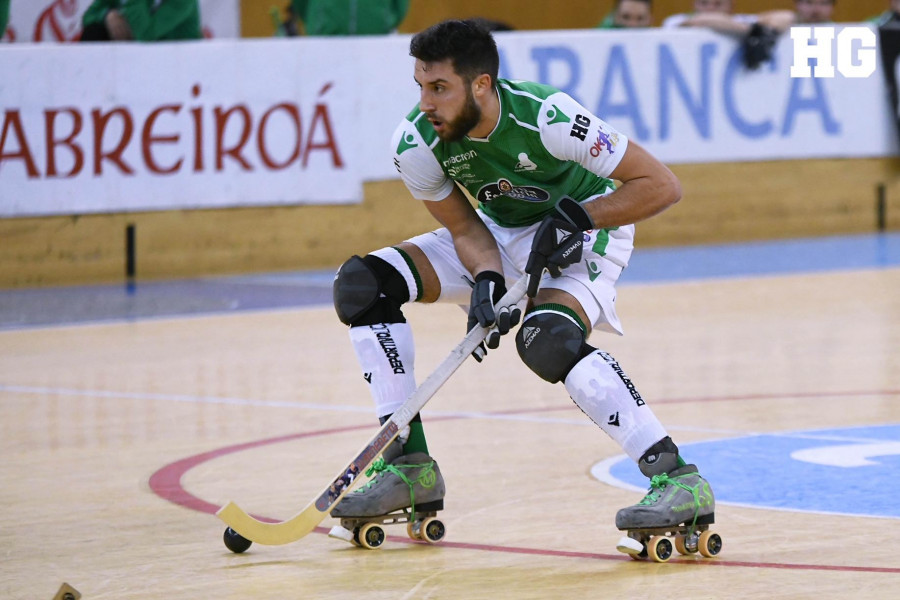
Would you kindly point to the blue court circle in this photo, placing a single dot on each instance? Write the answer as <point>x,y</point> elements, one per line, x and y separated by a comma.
<point>849,471</point>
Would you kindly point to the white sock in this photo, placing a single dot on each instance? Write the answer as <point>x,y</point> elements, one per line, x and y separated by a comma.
<point>387,357</point>
<point>602,390</point>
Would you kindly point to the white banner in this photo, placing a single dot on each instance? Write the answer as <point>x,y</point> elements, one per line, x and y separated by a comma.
<point>60,20</point>
<point>183,125</point>
<point>686,96</point>
<point>218,123</point>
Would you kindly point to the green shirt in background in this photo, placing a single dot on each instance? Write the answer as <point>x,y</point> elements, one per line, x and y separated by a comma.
<point>152,20</point>
<point>608,22</point>
<point>350,17</point>
<point>4,16</point>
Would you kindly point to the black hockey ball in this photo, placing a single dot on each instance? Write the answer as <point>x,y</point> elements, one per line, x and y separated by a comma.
<point>235,541</point>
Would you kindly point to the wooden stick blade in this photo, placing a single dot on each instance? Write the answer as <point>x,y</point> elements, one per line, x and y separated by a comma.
<point>284,532</point>
<point>271,534</point>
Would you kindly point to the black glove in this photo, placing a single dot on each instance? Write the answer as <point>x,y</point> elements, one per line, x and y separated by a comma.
<point>557,242</point>
<point>488,290</point>
<point>756,47</point>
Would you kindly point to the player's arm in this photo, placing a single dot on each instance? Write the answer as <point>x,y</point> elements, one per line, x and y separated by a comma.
<point>475,246</point>
<point>426,181</point>
<point>477,249</point>
<point>648,188</point>
<point>571,132</point>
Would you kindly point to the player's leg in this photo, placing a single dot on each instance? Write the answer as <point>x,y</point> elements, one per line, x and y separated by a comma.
<point>369,293</point>
<point>552,342</point>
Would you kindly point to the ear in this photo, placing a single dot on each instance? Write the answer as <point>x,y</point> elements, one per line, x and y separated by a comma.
<point>482,85</point>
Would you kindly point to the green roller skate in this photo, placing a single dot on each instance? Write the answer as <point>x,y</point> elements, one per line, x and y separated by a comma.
<point>674,515</point>
<point>407,489</point>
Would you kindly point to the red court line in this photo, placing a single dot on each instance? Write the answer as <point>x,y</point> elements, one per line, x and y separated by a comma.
<point>166,483</point>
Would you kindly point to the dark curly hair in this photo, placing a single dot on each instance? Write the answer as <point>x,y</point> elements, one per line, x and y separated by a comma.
<point>468,44</point>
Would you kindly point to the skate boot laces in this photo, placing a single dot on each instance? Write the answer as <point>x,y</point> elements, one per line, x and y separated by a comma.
<point>426,478</point>
<point>659,483</point>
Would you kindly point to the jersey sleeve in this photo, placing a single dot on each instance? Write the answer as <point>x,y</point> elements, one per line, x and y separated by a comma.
<point>418,167</point>
<point>570,132</point>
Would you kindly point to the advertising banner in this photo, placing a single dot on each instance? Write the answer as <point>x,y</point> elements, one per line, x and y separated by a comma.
<point>218,123</point>
<point>126,127</point>
<point>60,20</point>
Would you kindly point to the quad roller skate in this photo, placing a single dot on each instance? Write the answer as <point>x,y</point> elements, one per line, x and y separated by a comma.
<point>406,489</point>
<point>675,515</point>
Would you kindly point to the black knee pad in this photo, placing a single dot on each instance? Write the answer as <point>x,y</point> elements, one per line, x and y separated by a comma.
<point>551,343</point>
<point>369,290</point>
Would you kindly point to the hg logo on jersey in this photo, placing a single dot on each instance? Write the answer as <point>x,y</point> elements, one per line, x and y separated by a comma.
<point>855,51</point>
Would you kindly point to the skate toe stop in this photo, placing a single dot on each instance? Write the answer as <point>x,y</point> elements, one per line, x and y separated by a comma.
<point>340,533</point>
<point>629,545</point>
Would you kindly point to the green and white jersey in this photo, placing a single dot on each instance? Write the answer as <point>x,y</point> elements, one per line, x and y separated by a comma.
<point>545,146</point>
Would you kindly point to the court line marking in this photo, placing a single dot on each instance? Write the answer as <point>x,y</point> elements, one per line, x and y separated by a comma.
<point>509,415</point>
<point>166,483</point>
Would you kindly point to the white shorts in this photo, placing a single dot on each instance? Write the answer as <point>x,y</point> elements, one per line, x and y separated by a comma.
<point>592,281</point>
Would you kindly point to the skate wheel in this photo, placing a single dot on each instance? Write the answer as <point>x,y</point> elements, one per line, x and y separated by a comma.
<point>414,530</point>
<point>686,544</point>
<point>370,536</point>
<point>235,541</point>
<point>660,548</point>
<point>710,544</point>
<point>432,530</point>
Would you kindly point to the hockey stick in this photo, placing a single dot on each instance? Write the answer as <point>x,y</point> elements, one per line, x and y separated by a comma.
<point>284,532</point>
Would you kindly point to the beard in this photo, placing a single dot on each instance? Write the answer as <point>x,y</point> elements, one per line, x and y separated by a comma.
<point>467,119</point>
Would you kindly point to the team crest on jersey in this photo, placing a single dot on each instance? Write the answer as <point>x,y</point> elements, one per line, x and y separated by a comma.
<point>525,163</point>
<point>504,187</point>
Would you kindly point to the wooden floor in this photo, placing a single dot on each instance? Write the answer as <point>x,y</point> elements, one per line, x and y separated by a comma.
<point>120,440</point>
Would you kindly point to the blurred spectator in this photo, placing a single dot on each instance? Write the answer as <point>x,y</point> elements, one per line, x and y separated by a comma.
<point>812,12</point>
<point>4,16</point>
<point>806,12</point>
<point>713,14</point>
<point>890,16</point>
<point>758,32</point>
<point>628,14</point>
<point>345,17</point>
<point>141,20</point>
